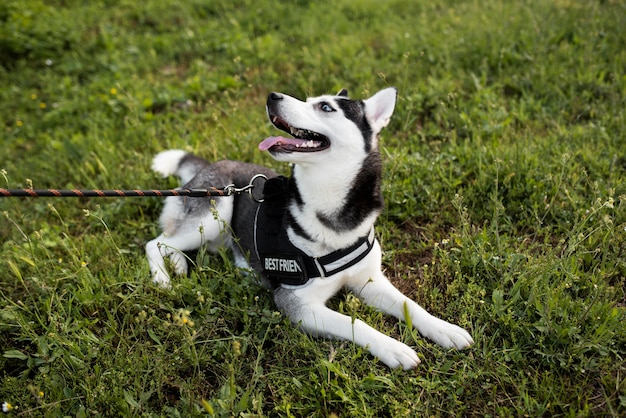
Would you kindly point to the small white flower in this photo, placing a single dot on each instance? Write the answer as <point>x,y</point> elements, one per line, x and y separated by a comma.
<point>48,62</point>
<point>6,407</point>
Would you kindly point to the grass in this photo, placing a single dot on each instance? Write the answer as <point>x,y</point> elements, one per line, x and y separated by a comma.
<point>505,205</point>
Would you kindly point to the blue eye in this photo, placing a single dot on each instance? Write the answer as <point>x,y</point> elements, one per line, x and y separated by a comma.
<point>325,107</point>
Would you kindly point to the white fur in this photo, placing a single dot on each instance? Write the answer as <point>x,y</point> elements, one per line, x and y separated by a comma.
<point>380,108</point>
<point>166,163</point>
<point>184,234</point>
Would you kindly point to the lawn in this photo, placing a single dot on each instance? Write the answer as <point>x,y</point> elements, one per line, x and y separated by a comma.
<point>505,191</point>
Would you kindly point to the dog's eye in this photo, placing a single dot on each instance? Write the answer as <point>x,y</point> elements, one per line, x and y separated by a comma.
<point>325,107</point>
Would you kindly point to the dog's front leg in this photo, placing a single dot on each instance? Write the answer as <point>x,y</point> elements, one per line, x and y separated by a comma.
<point>381,294</point>
<point>318,320</point>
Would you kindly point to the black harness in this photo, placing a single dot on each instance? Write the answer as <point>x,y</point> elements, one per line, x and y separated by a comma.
<point>282,262</point>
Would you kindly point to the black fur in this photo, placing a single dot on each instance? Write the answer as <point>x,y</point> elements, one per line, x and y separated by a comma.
<point>354,110</point>
<point>364,198</point>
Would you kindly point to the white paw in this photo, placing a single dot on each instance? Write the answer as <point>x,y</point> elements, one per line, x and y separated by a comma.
<point>162,279</point>
<point>179,263</point>
<point>447,335</point>
<point>396,354</point>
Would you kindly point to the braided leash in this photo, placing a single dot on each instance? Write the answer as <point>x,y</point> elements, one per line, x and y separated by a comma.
<point>112,193</point>
<point>212,191</point>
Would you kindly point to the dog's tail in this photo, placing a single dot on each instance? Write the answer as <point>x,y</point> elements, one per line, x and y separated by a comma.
<point>178,162</point>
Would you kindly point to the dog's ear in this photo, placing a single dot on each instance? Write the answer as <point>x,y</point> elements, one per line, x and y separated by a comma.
<point>379,108</point>
<point>343,93</point>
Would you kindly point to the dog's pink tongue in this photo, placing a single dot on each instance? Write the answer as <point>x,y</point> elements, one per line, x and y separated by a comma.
<point>269,142</point>
<point>277,140</point>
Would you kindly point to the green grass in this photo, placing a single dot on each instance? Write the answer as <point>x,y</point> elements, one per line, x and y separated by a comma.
<point>505,205</point>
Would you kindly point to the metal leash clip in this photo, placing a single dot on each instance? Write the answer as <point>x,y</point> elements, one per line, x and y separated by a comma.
<point>231,189</point>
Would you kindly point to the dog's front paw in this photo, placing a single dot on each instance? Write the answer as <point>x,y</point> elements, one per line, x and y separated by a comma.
<point>448,335</point>
<point>396,354</point>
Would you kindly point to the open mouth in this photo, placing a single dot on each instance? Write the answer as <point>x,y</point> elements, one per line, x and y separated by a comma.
<point>303,140</point>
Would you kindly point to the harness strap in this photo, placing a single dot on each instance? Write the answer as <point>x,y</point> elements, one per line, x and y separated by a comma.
<point>282,262</point>
<point>342,259</point>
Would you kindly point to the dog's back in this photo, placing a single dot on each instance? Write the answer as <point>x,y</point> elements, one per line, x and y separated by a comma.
<point>189,223</point>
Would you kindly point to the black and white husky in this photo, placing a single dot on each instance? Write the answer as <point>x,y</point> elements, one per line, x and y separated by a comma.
<point>313,234</point>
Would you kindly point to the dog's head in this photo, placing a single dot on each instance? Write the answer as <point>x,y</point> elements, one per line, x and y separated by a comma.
<point>334,127</point>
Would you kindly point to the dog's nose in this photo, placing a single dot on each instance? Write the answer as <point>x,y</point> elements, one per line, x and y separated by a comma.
<point>273,97</point>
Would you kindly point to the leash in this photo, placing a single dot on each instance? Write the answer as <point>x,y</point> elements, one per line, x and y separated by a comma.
<point>228,190</point>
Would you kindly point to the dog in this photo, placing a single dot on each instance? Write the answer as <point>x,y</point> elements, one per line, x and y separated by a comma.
<point>313,233</point>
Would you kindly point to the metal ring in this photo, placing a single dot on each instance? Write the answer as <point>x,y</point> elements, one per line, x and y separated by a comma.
<point>230,189</point>
<point>251,186</point>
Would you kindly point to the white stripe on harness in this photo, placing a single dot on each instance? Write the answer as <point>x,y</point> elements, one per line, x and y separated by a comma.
<point>338,265</point>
